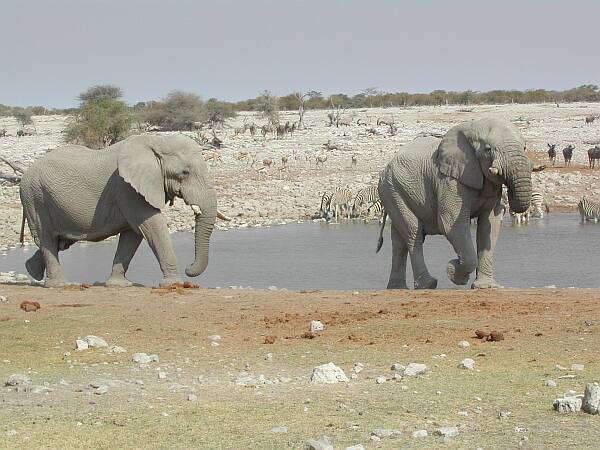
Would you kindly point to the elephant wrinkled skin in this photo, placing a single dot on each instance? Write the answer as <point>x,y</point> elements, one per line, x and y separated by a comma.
<point>75,194</point>
<point>436,186</point>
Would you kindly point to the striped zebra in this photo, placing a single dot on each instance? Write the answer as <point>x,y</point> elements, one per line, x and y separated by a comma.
<point>367,196</point>
<point>537,205</point>
<point>340,201</point>
<point>374,210</point>
<point>590,211</point>
<point>325,200</point>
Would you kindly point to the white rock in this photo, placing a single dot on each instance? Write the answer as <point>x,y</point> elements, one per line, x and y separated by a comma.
<point>80,344</point>
<point>464,344</point>
<point>95,342</point>
<point>328,373</point>
<point>103,389</point>
<point>577,366</point>
<point>192,397</point>
<point>550,383</point>
<point>358,367</point>
<point>162,375</point>
<point>269,357</point>
<point>318,444</point>
<point>568,404</point>
<point>419,434</point>
<point>355,447</point>
<point>143,358</point>
<point>382,433</point>
<point>447,432</point>
<point>10,433</point>
<point>397,367</point>
<point>214,338</point>
<point>17,379</point>
<point>467,363</point>
<point>591,398</point>
<point>380,380</point>
<point>315,325</point>
<point>117,349</point>
<point>414,369</point>
<point>3,299</point>
<point>278,430</point>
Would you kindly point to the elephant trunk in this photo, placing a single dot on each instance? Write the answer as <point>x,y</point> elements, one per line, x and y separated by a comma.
<point>518,181</point>
<point>205,213</point>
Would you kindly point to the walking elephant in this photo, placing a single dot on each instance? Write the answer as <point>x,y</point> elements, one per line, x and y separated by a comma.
<point>77,194</point>
<point>436,186</point>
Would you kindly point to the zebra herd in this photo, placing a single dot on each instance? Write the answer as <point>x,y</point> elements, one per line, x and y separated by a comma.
<point>340,203</point>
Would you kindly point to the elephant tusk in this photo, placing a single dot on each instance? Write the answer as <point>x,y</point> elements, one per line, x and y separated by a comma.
<point>494,171</point>
<point>222,216</point>
<point>197,210</point>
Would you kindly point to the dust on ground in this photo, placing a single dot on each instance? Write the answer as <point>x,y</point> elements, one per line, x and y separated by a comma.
<point>503,403</point>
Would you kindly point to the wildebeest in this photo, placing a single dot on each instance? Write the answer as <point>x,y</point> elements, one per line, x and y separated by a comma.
<point>568,154</point>
<point>552,152</point>
<point>589,119</point>
<point>593,156</point>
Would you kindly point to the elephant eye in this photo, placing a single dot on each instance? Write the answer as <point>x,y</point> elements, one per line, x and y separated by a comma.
<point>185,172</point>
<point>488,148</point>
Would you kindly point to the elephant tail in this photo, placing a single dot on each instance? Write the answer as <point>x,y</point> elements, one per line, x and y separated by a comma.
<point>380,240</point>
<point>22,236</point>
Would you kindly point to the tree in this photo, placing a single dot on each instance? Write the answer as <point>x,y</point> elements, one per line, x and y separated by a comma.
<point>23,116</point>
<point>178,111</point>
<point>215,111</point>
<point>268,106</point>
<point>369,93</point>
<point>99,91</point>
<point>101,119</point>
<point>302,99</point>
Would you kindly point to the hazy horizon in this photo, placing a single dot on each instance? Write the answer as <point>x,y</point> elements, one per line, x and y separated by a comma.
<point>233,50</point>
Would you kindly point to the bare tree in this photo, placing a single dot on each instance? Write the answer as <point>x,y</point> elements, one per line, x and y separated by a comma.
<point>369,93</point>
<point>302,98</point>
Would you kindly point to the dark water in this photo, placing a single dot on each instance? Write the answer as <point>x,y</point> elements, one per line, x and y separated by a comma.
<point>556,250</point>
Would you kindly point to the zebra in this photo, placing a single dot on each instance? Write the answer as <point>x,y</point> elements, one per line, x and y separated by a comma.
<point>368,196</point>
<point>340,200</point>
<point>537,205</point>
<point>589,211</point>
<point>568,154</point>
<point>593,155</point>
<point>552,153</point>
<point>325,200</point>
<point>375,209</point>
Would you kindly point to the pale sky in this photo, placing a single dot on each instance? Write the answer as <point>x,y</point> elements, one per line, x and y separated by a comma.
<point>54,49</point>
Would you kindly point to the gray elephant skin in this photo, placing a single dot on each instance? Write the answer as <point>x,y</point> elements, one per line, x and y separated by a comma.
<point>78,194</point>
<point>436,186</point>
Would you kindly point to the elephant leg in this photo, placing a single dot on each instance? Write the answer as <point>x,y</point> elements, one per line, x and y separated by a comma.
<point>35,266</point>
<point>460,269</point>
<point>422,278</point>
<point>156,232</point>
<point>488,227</point>
<point>129,241</point>
<point>54,273</point>
<point>399,253</point>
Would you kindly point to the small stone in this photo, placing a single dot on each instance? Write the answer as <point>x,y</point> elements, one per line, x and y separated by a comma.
<point>3,299</point>
<point>382,433</point>
<point>18,379</point>
<point>380,380</point>
<point>414,369</point>
<point>355,447</point>
<point>192,398</point>
<point>328,373</point>
<point>467,363</point>
<point>321,443</point>
<point>419,434</point>
<point>269,357</point>
<point>278,430</point>
<point>272,288</point>
<point>143,358</point>
<point>214,338</point>
<point>447,432</point>
<point>463,413</point>
<point>11,433</point>
<point>559,367</point>
<point>568,404</point>
<point>504,414</point>
<point>214,344</point>
<point>358,367</point>
<point>577,366</point>
<point>397,377</point>
<point>164,414</point>
<point>80,344</point>
<point>550,383</point>
<point>375,438</point>
<point>101,390</point>
<point>95,342</point>
<point>270,339</point>
<point>162,375</point>
<point>315,325</point>
<point>397,367</point>
<point>591,398</point>
<point>117,349</point>
<point>464,344</point>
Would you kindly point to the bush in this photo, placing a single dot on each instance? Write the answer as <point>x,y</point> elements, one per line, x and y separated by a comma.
<point>267,104</point>
<point>23,116</point>
<point>100,91</point>
<point>216,111</point>
<point>178,111</point>
<point>100,122</point>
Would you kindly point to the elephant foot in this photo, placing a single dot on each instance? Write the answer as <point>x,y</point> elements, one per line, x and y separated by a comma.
<point>485,283</point>
<point>116,281</point>
<point>392,284</point>
<point>55,282</point>
<point>426,282</point>
<point>166,282</point>
<point>35,266</point>
<point>455,274</point>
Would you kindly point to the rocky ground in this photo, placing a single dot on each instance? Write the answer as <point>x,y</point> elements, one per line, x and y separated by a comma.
<point>228,368</point>
<point>273,197</point>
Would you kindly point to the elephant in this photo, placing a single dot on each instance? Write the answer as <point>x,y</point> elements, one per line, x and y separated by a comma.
<point>76,194</point>
<point>436,186</point>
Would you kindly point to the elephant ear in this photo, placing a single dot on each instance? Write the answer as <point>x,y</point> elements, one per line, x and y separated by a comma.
<point>139,165</point>
<point>457,158</point>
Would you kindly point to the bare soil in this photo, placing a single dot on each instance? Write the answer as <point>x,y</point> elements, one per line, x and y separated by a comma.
<point>541,328</point>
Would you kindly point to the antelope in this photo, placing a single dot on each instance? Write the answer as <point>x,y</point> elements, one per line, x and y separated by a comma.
<point>320,159</point>
<point>386,120</point>
<point>590,119</point>
<point>212,156</point>
<point>267,163</point>
<point>242,156</point>
<point>284,160</point>
<point>346,121</point>
<point>354,161</point>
